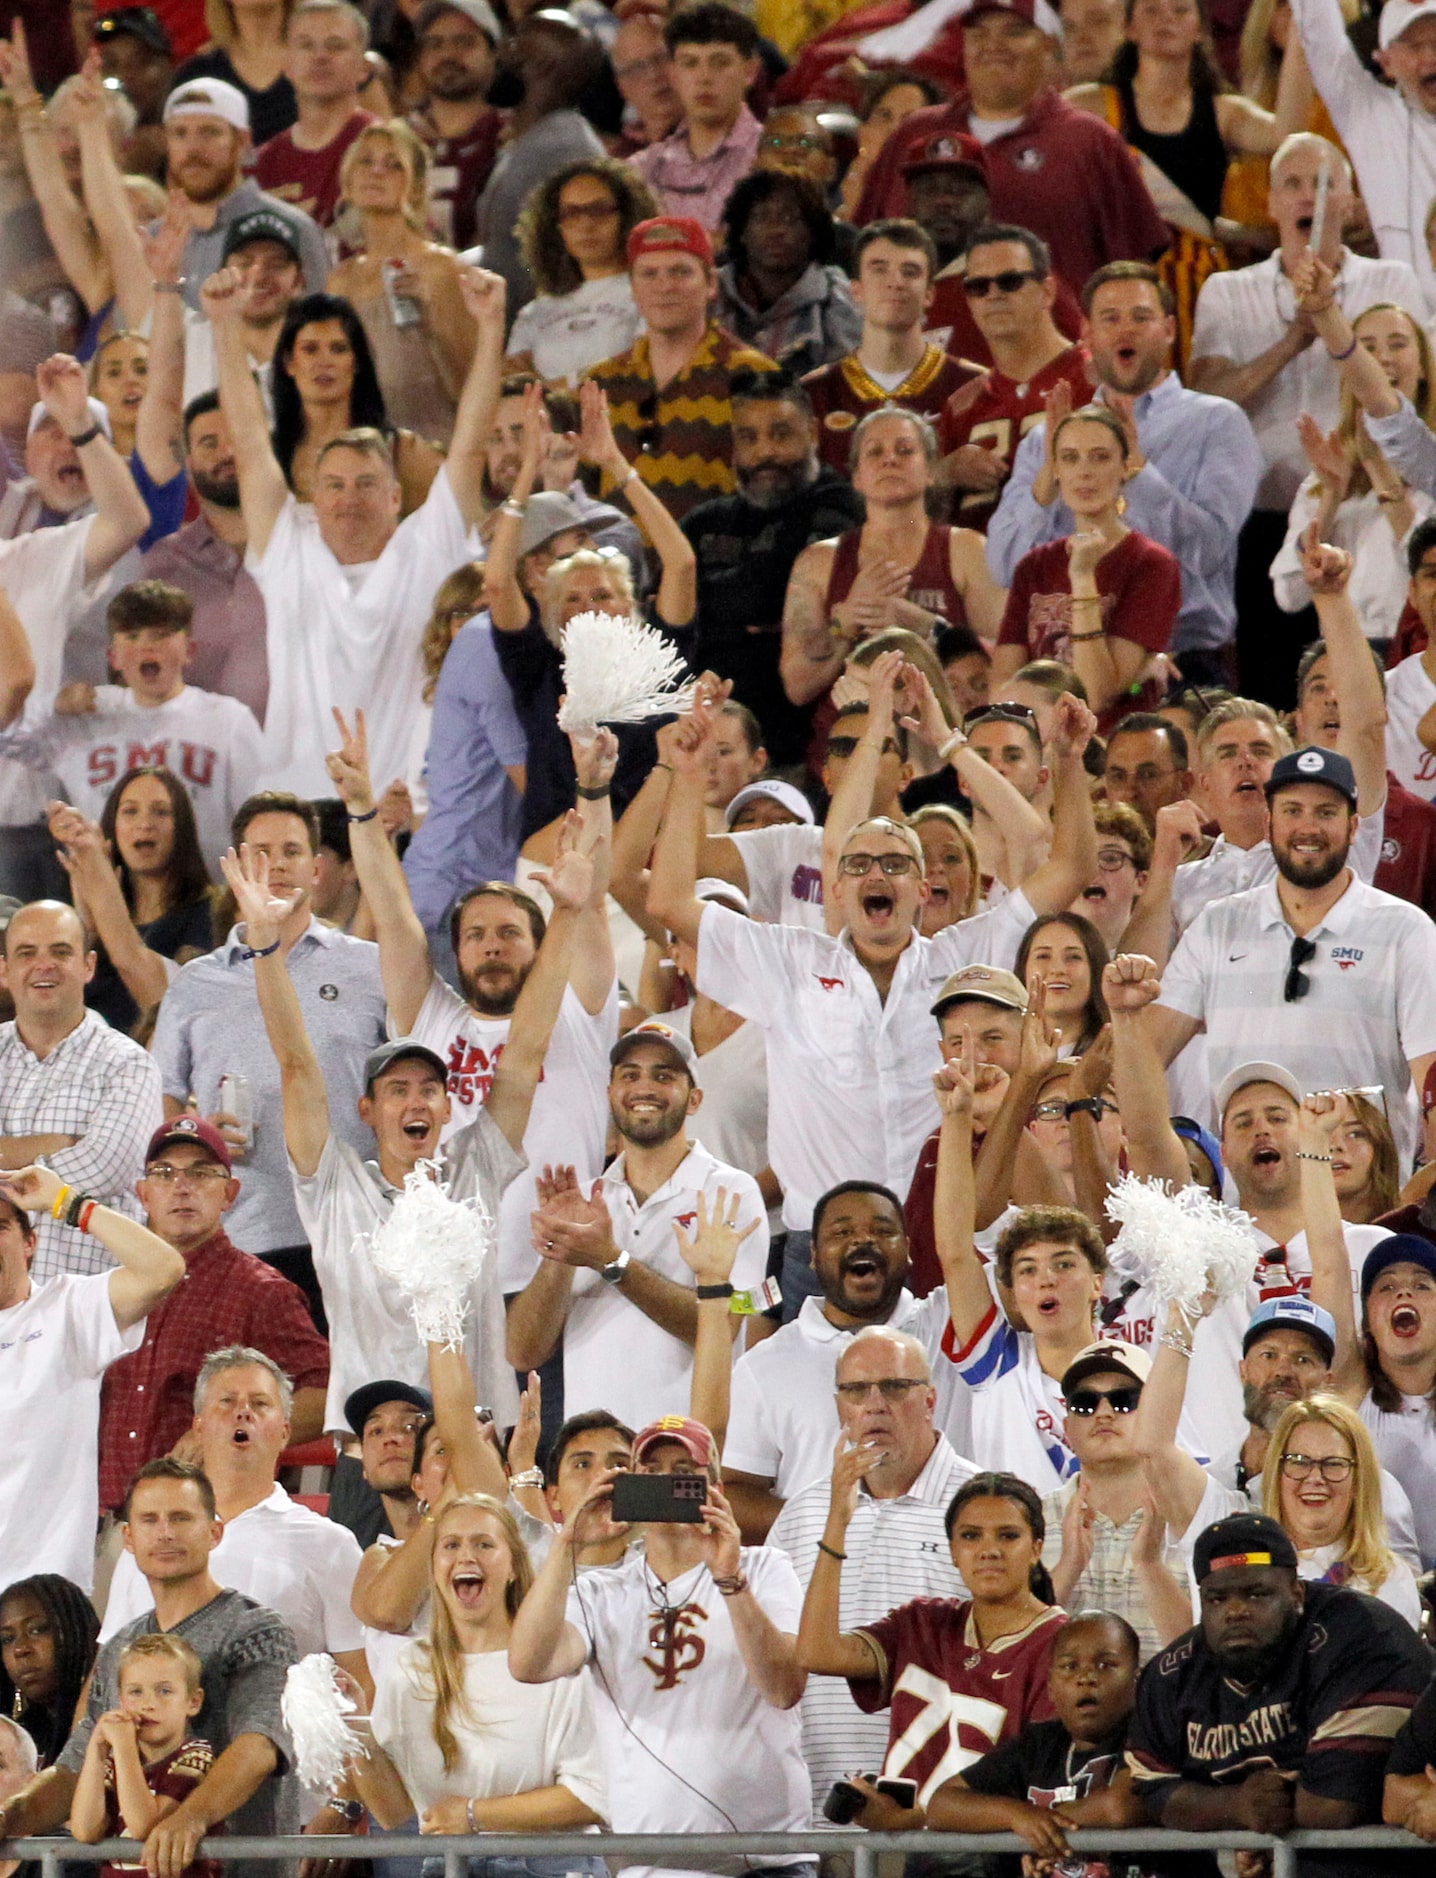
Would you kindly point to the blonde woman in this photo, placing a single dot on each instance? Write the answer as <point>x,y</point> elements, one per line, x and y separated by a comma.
<point>1323,1483</point>
<point>954,879</point>
<point>1365,1162</point>
<point>455,1738</point>
<point>1358,499</point>
<point>247,49</point>
<point>404,287</point>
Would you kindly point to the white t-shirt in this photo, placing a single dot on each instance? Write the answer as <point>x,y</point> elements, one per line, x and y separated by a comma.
<point>371,1333</point>
<point>349,636</point>
<point>614,1357</point>
<point>518,1736</point>
<point>1406,1445</point>
<point>383,1648</point>
<point>54,1348</point>
<point>785,874</point>
<point>43,575</point>
<point>568,1122</point>
<point>281,1554</point>
<point>1410,694</point>
<point>567,333</point>
<point>210,741</point>
<point>689,1743</point>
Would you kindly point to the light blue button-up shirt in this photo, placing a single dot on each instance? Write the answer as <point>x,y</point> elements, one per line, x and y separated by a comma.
<point>1193,494</point>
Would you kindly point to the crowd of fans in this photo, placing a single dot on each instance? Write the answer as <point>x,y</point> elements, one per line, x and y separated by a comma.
<point>804,1447</point>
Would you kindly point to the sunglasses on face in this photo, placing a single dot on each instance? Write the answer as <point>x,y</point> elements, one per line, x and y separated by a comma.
<point>1011,280</point>
<point>1088,1401</point>
<point>1002,714</point>
<point>1298,982</point>
<point>856,865</point>
<point>844,746</point>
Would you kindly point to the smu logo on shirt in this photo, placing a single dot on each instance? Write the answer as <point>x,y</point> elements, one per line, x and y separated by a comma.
<point>110,761</point>
<point>471,1071</point>
<point>1347,956</point>
<point>830,984</point>
<point>807,885</point>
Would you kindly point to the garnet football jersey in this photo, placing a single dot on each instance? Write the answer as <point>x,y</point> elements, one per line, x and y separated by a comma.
<point>995,412</point>
<point>952,1700</point>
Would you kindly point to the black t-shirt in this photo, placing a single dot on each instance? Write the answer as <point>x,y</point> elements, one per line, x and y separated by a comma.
<point>1414,1749</point>
<point>182,929</point>
<point>1327,1712</point>
<point>745,555</point>
<point>1043,1766</point>
<point>270,111</point>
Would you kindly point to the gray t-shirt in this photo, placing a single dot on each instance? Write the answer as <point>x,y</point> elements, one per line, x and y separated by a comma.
<point>245,1652</point>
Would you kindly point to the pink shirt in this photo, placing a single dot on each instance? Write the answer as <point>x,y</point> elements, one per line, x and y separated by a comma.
<point>699,186</point>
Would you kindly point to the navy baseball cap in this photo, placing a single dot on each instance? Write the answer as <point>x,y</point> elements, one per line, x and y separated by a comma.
<point>1402,1248</point>
<point>361,1403</point>
<point>1240,1540</point>
<point>1292,1314</point>
<point>1313,765</point>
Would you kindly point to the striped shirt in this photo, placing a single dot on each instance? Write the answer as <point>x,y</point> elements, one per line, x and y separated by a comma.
<point>679,436</point>
<point>845,392</point>
<point>1110,1581</point>
<point>897,1551</point>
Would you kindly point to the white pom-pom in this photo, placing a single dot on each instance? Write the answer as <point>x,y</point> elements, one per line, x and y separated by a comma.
<point>434,1249</point>
<point>617,671</point>
<point>315,1711</point>
<point>1180,1245</point>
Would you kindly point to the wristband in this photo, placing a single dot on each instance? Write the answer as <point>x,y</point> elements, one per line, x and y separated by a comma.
<point>178,286</point>
<point>632,477</point>
<point>86,436</point>
<point>57,1206</point>
<point>259,952</point>
<point>1081,639</point>
<point>715,1291</point>
<point>1337,357</point>
<point>1171,1341</point>
<point>953,743</point>
<point>1324,1159</point>
<point>530,1477</point>
<point>831,1551</point>
<point>1389,502</point>
<point>469,1815</point>
<point>367,817</point>
<point>516,509</point>
<point>593,795</point>
<point>730,1587</point>
<point>78,1202</point>
<point>85,1215</point>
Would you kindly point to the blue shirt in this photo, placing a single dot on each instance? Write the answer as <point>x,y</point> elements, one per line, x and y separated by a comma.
<point>1193,495</point>
<point>471,832</point>
<point>210,1026</point>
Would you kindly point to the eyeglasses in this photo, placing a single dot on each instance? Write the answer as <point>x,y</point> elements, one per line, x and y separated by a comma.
<point>1111,860</point>
<point>1056,1109</point>
<point>1333,1468</point>
<point>201,1175</point>
<point>588,212</point>
<point>890,1388</point>
<point>796,140</point>
<point>1303,951</point>
<point>636,68</point>
<point>1088,1401</point>
<point>1011,280</point>
<point>844,746</point>
<point>1001,713</point>
<point>856,865</point>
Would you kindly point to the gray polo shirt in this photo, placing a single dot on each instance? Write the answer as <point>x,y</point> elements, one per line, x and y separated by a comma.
<point>204,247</point>
<point>210,1026</point>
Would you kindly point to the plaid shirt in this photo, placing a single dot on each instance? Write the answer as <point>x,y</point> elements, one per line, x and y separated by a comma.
<point>686,184</point>
<point>226,1296</point>
<point>105,1090</point>
<point>679,438</point>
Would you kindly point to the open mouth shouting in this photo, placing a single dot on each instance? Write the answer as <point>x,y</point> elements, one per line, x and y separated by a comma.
<point>416,1129</point>
<point>879,904</point>
<point>1095,895</point>
<point>468,1587</point>
<point>1049,1306</point>
<point>1405,1321</point>
<point>1267,1156</point>
<point>865,1264</point>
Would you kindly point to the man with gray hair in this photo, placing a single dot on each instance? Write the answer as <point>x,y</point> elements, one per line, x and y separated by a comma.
<point>274,1550</point>
<point>892,1481</point>
<point>1254,342</point>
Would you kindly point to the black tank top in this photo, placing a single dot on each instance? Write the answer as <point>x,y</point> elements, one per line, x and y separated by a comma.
<point>1195,159</point>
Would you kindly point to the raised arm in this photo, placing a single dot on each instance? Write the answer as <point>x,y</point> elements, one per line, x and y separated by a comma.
<point>678,586</point>
<point>148,1268</point>
<point>852,801</point>
<point>404,963</point>
<point>592,967</point>
<point>263,491</point>
<point>770,1655</point>
<point>709,1254</point>
<point>306,1099</point>
<point>17,664</point>
<point>1176,1481</point>
<point>111,214</point>
<point>503,594</point>
<point>159,427</point>
<point>1353,672</point>
<point>70,231</point>
<point>1073,860</point>
<point>1314,285</point>
<point>120,513</point>
<point>543,1644</point>
<point>674,877</point>
<point>484,296</point>
<point>1320,1117</point>
<point>823,1645</point>
<point>81,852</point>
<point>954,1201</point>
<point>1154,1149</point>
<point>1149,930</point>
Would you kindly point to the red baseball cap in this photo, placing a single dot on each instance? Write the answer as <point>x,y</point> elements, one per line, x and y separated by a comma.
<point>947,150</point>
<point>676,233</point>
<point>195,1129</point>
<point>689,1434</point>
<point>1036,12</point>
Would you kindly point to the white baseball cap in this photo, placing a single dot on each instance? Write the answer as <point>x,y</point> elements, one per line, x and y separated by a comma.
<point>209,97</point>
<point>1397,15</point>
<point>1246,1073</point>
<point>793,800</point>
<point>98,415</point>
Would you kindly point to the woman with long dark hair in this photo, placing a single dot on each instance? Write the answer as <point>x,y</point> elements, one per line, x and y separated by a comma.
<point>141,886</point>
<point>323,383</point>
<point>1067,955</point>
<point>48,1641</point>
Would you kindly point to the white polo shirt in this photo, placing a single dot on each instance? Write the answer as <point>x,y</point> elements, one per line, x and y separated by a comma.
<point>785,874</point>
<point>1225,869</point>
<point>614,1357</point>
<point>1410,694</point>
<point>568,1122</point>
<point>897,1551</point>
<point>1243,313</point>
<point>284,1556</point>
<point>783,1421</point>
<point>849,1074</point>
<point>1371,1006</point>
<point>43,575</point>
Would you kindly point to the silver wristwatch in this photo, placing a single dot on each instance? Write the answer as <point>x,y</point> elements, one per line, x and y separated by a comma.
<point>612,1274</point>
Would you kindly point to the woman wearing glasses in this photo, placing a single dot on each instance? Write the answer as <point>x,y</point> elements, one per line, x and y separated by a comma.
<point>574,236</point>
<point>1326,1492</point>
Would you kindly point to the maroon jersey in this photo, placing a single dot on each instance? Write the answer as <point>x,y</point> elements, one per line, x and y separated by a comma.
<point>844,393</point>
<point>174,1777</point>
<point>307,179</point>
<point>1408,848</point>
<point>950,321</point>
<point>996,413</point>
<point>458,169</point>
<point>930,581</point>
<point>953,1700</point>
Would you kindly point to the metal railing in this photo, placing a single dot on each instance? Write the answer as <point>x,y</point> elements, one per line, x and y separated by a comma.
<point>722,1848</point>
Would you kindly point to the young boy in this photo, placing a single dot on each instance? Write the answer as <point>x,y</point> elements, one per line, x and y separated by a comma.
<point>1062,1772</point>
<point>88,736</point>
<point>142,1760</point>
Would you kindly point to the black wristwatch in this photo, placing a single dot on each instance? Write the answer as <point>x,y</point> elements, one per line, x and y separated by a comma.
<point>1086,1105</point>
<point>351,1811</point>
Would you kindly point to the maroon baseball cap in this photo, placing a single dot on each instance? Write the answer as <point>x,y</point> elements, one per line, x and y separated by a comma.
<point>1036,12</point>
<point>195,1129</point>
<point>947,150</point>
<point>690,1435</point>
